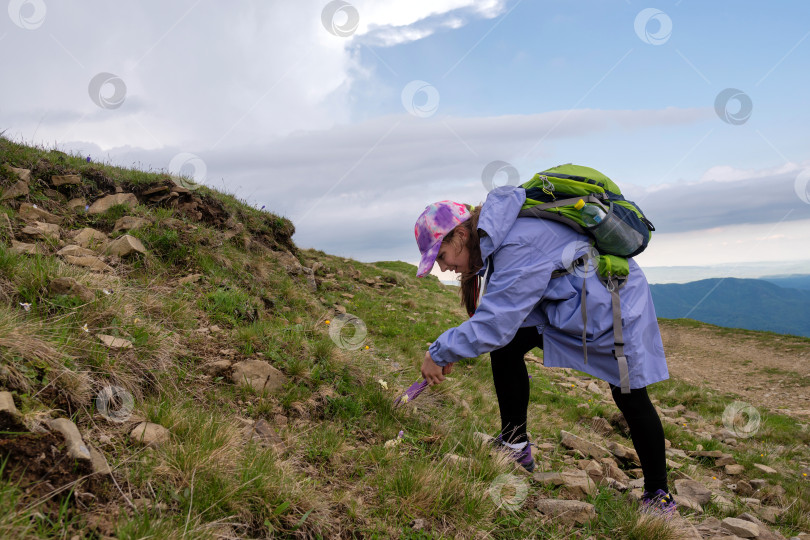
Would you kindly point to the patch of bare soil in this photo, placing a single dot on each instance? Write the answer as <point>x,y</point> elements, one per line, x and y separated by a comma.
<point>765,370</point>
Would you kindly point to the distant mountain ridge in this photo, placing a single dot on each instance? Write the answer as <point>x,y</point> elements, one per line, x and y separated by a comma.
<point>754,304</point>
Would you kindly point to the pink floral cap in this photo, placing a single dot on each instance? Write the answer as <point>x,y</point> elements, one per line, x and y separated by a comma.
<point>436,221</point>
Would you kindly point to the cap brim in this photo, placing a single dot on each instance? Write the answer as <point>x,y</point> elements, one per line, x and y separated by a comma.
<point>428,259</point>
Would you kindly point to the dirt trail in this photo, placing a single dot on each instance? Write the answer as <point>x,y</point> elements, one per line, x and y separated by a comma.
<point>765,370</point>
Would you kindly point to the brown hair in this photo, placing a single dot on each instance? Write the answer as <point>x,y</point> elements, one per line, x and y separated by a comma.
<point>469,281</point>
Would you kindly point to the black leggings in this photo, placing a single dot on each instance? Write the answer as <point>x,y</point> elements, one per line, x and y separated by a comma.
<point>512,388</point>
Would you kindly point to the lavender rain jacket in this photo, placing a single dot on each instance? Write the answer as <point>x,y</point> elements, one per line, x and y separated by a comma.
<point>523,252</point>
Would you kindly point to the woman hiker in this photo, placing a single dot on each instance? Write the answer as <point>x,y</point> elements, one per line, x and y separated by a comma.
<point>524,307</point>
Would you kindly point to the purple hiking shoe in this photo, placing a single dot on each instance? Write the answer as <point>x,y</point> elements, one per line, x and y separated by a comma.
<point>522,457</point>
<point>659,503</point>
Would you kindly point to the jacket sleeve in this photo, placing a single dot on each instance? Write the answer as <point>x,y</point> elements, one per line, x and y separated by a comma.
<point>520,277</point>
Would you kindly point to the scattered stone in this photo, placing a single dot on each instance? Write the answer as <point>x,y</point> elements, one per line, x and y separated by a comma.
<point>66,179</point>
<point>69,286</point>
<point>125,246</point>
<point>76,251</point>
<point>684,501</point>
<point>725,460</point>
<point>10,417</point>
<point>22,174</point>
<point>77,203</point>
<point>216,368</point>
<point>567,512</point>
<point>264,433</point>
<point>100,465</point>
<point>733,470</point>
<point>624,453</point>
<point>612,470</point>
<point>21,248</point>
<point>758,483</point>
<point>73,439</point>
<point>694,490</point>
<point>594,388</point>
<point>765,468</point>
<point>45,231</point>
<point>743,488</point>
<point>706,453</point>
<point>741,527</point>
<point>723,503</point>
<point>569,440</point>
<point>113,342</point>
<point>150,434</point>
<point>127,223</point>
<point>771,514</point>
<point>94,263</point>
<point>30,212</point>
<point>258,374</point>
<point>105,203</point>
<point>90,238</point>
<point>18,189</point>
<point>192,278</point>
<point>577,483</point>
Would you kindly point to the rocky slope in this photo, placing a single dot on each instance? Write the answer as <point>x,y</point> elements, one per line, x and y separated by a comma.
<point>172,365</point>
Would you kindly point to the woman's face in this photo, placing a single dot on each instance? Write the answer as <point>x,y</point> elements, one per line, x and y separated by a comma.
<point>454,255</point>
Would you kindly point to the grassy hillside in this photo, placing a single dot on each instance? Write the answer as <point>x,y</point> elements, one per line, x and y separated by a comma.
<point>268,375</point>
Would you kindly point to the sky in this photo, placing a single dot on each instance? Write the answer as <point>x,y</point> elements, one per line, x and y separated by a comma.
<point>350,117</point>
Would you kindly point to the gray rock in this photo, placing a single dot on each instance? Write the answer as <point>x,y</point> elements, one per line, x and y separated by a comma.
<point>73,439</point>
<point>765,468</point>
<point>105,203</point>
<point>22,174</point>
<point>90,238</point>
<point>743,488</point>
<point>21,248</point>
<point>125,246</point>
<point>723,503</point>
<point>77,204</point>
<point>150,434</point>
<point>113,342</point>
<point>29,212</point>
<point>569,440</point>
<point>94,263</point>
<point>694,490</point>
<point>100,465</point>
<point>19,189</point>
<point>10,417</point>
<point>258,374</point>
<point>733,470</point>
<point>217,367</point>
<point>66,179</point>
<point>624,453</point>
<point>577,483</point>
<point>612,470</point>
<point>127,223</point>
<point>45,231</point>
<point>684,501</point>
<point>76,251</point>
<point>740,527</point>
<point>69,286</point>
<point>567,512</point>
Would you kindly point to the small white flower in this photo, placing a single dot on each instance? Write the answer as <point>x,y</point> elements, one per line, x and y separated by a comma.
<point>34,205</point>
<point>26,306</point>
<point>383,383</point>
<point>108,292</point>
<point>85,329</point>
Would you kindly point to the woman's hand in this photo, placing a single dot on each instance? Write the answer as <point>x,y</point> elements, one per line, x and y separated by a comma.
<point>433,373</point>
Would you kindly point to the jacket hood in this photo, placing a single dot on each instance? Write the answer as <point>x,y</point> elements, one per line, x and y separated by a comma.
<point>498,214</point>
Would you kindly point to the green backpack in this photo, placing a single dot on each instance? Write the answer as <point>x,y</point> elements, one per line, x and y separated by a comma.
<point>560,194</point>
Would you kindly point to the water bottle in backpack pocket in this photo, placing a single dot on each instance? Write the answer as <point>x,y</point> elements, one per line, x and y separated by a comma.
<point>612,234</point>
